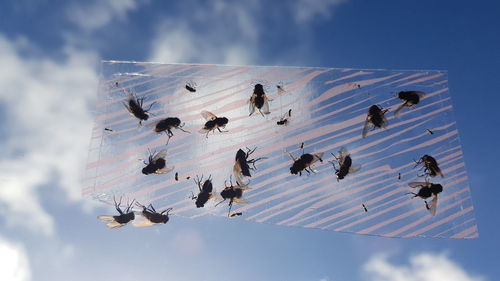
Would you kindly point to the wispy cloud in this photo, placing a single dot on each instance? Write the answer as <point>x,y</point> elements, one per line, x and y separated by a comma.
<point>218,32</point>
<point>14,261</point>
<point>421,267</point>
<point>305,11</point>
<point>97,14</point>
<point>48,121</point>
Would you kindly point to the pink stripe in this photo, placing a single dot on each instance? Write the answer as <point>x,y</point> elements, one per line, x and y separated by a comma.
<point>470,232</point>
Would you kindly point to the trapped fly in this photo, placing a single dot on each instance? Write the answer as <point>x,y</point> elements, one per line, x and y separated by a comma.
<point>259,100</point>
<point>376,118</point>
<point>122,219</point>
<point>190,86</point>
<point>205,188</point>
<point>285,119</point>
<point>241,167</point>
<point>213,123</point>
<point>157,163</point>
<point>134,105</point>
<point>167,125</point>
<point>426,191</point>
<point>344,162</point>
<point>409,99</point>
<point>305,162</point>
<point>151,216</point>
<point>430,166</point>
<point>233,193</point>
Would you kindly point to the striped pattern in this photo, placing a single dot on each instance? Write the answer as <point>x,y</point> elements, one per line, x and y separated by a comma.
<point>329,107</point>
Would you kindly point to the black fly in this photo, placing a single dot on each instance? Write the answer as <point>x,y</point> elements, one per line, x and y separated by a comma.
<point>430,132</point>
<point>151,216</point>
<point>285,119</point>
<point>364,207</point>
<point>120,220</point>
<point>426,191</point>
<point>430,166</point>
<point>157,163</point>
<point>206,189</point>
<point>241,168</point>
<point>376,118</point>
<point>344,161</point>
<point>134,106</point>
<point>213,122</point>
<point>167,125</point>
<point>233,193</point>
<point>259,100</point>
<point>108,129</point>
<point>236,214</point>
<point>176,176</point>
<point>305,162</point>
<point>191,87</point>
<point>409,98</point>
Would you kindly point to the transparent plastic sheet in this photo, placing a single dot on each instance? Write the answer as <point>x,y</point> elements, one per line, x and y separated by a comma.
<point>328,110</point>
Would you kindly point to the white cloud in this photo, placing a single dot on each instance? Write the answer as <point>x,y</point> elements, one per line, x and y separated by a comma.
<point>99,13</point>
<point>232,38</point>
<point>422,267</point>
<point>14,262</point>
<point>48,123</point>
<point>306,10</point>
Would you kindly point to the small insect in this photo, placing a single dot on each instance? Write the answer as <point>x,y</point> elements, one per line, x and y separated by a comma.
<point>108,129</point>
<point>285,119</point>
<point>233,193</point>
<point>188,178</point>
<point>116,84</point>
<point>344,161</point>
<point>205,193</point>
<point>151,216</point>
<point>241,166</point>
<point>430,166</point>
<point>430,132</point>
<point>281,89</point>
<point>167,125</point>
<point>376,118</point>
<point>236,214</point>
<point>176,176</point>
<point>157,163</point>
<point>364,208</point>
<point>409,98</point>
<point>305,162</point>
<point>134,106</point>
<point>399,176</point>
<point>213,122</point>
<point>426,191</point>
<point>120,220</point>
<point>191,87</point>
<point>259,100</point>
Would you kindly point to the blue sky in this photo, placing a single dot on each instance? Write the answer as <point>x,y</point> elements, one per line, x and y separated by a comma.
<point>50,52</point>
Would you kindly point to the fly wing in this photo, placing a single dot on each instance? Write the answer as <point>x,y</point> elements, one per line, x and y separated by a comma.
<point>106,218</point>
<point>114,224</point>
<point>398,110</point>
<point>130,95</point>
<point>208,115</point>
<point>203,131</point>
<point>366,127</point>
<point>153,124</point>
<point>417,184</point>
<point>343,152</point>
<point>142,221</point>
<point>354,168</point>
<point>251,105</point>
<point>291,156</point>
<point>237,172</point>
<point>433,206</point>
<point>420,94</point>
<point>161,154</point>
<point>317,156</point>
<point>265,107</point>
<point>165,170</point>
<point>215,196</point>
<point>241,201</point>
